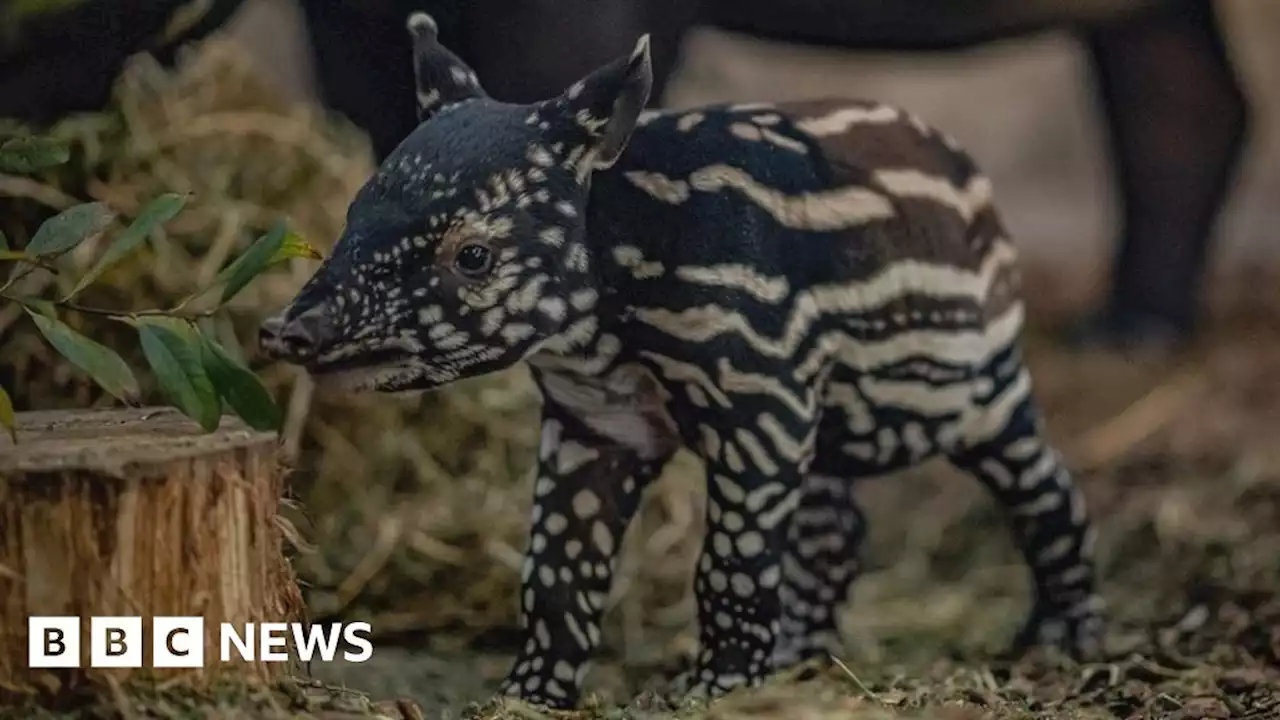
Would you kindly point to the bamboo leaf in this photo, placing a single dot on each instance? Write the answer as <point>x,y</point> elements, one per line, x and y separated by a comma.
<point>69,228</point>
<point>254,260</point>
<point>295,247</point>
<point>172,350</point>
<point>40,305</point>
<point>239,387</point>
<point>8,420</point>
<point>26,155</point>
<point>100,362</point>
<point>154,214</point>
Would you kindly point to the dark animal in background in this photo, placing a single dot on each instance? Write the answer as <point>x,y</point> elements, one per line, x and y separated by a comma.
<point>804,294</point>
<point>1160,67</point>
<point>64,59</point>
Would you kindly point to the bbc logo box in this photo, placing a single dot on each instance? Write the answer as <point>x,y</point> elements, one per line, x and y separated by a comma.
<point>115,642</point>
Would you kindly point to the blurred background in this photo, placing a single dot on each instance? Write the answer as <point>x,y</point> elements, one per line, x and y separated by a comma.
<point>1149,125</point>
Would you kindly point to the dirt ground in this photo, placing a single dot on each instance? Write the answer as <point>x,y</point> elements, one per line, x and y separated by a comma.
<point>1178,464</point>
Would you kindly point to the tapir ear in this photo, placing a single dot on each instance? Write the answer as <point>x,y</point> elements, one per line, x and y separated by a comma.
<point>608,102</point>
<point>441,77</point>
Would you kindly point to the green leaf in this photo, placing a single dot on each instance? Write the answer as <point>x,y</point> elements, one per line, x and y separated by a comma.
<point>40,305</point>
<point>295,247</point>
<point>154,214</point>
<point>7,419</point>
<point>26,155</point>
<point>69,228</point>
<point>100,362</point>
<point>4,241</point>
<point>254,260</point>
<point>172,350</point>
<point>239,387</point>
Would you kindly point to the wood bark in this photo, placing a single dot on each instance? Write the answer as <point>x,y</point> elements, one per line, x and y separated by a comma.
<point>138,513</point>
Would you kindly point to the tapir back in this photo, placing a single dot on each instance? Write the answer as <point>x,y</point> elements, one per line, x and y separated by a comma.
<point>850,202</point>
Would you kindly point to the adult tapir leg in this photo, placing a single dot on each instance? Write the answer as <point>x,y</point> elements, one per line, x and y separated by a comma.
<point>523,50</point>
<point>529,50</point>
<point>1177,118</point>
<point>362,59</point>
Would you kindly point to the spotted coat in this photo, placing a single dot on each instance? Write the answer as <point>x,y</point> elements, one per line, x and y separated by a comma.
<point>804,294</point>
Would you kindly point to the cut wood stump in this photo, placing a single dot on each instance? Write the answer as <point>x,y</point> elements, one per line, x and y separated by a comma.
<point>138,513</point>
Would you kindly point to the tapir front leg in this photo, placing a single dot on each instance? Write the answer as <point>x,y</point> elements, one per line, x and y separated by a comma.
<point>588,489</point>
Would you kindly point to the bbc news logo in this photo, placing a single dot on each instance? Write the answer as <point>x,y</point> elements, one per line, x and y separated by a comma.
<point>179,642</point>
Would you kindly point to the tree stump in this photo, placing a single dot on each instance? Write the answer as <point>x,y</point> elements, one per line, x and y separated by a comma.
<point>138,513</point>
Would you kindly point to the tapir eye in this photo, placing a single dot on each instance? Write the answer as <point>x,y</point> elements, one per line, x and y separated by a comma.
<point>473,260</point>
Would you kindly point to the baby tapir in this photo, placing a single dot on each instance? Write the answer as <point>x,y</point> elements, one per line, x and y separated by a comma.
<point>804,294</point>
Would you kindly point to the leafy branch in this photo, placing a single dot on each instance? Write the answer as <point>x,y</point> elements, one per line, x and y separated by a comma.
<point>199,376</point>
